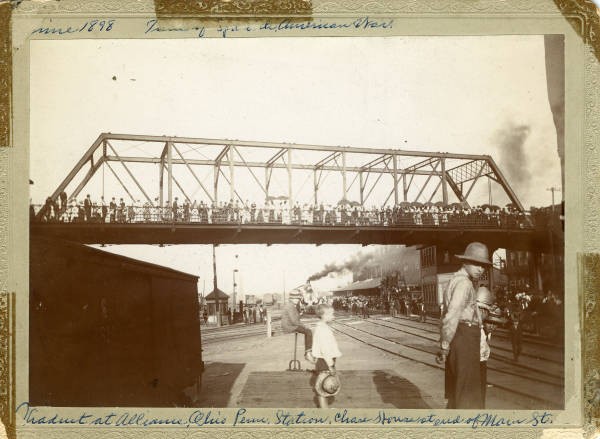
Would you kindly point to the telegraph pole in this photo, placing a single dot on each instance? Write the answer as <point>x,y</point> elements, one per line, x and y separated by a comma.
<point>217,302</point>
<point>553,189</point>
<point>235,270</point>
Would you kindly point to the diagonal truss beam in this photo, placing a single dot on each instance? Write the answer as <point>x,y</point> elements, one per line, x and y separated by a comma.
<point>229,182</point>
<point>374,184</point>
<point>370,165</point>
<point>130,174</point>
<point>422,164</point>
<point>251,171</point>
<point>87,177</point>
<point>276,157</point>
<point>437,188</point>
<point>89,154</point>
<point>182,190</point>
<point>221,155</point>
<point>498,174</point>
<point>426,182</point>
<point>119,180</point>
<point>474,180</point>
<point>331,157</point>
<point>193,173</point>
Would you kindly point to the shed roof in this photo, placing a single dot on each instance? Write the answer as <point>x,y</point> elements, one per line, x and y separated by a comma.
<point>217,295</point>
<point>361,285</point>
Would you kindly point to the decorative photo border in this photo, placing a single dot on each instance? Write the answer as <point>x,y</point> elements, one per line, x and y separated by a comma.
<point>582,16</point>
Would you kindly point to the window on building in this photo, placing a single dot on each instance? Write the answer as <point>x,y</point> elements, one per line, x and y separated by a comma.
<point>428,257</point>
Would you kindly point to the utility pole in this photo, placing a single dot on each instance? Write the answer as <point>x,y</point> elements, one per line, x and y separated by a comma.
<point>553,189</point>
<point>284,302</point>
<point>235,270</point>
<point>217,302</point>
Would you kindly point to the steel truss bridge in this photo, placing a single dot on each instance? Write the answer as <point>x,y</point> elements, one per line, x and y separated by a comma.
<point>158,170</point>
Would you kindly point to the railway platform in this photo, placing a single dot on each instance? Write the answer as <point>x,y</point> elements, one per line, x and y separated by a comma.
<point>245,368</point>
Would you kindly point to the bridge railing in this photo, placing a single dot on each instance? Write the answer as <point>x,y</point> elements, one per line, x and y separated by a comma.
<point>276,216</point>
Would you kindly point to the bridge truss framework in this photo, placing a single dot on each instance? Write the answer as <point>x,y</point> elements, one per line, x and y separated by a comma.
<point>443,173</point>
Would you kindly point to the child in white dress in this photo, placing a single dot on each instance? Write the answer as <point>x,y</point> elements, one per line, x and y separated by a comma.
<point>324,346</point>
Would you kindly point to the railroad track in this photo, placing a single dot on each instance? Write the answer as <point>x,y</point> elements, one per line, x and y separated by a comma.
<point>549,390</point>
<point>534,355</point>
<point>500,332</point>
<point>235,333</point>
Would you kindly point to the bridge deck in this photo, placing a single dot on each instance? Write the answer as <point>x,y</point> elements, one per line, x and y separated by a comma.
<point>185,233</point>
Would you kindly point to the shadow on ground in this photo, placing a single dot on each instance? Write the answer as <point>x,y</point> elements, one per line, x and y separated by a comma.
<point>398,391</point>
<point>360,389</point>
<point>217,382</point>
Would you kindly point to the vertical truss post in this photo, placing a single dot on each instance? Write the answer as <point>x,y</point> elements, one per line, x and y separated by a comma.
<point>216,183</point>
<point>404,188</point>
<point>267,182</point>
<point>170,168</point>
<point>362,189</point>
<point>161,176</point>
<point>344,183</point>
<point>444,182</point>
<point>160,185</point>
<point>395,164</point>
<point>289,169</point>
<point>316,186</point>
<point>231,175</point>
<point>104,149</point>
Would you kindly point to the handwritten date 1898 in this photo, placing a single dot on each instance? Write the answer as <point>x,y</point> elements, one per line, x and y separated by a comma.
<point>88,26</point>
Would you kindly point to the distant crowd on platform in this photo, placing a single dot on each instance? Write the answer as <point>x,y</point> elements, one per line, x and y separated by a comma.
<point>249,314</point>
<point>530,311</point>
<point>365,305</point>
<point>63,210</point>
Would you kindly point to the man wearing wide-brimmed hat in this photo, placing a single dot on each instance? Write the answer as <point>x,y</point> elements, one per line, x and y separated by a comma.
<point>461,330</point>
<point>290,322</point>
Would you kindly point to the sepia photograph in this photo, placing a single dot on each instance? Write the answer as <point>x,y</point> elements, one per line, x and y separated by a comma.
<point>312,222</point>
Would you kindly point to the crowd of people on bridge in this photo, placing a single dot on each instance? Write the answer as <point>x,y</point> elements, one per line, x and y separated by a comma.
<point>281,212</point>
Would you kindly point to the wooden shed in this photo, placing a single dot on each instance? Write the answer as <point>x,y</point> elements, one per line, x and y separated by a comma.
<point>106,330</point>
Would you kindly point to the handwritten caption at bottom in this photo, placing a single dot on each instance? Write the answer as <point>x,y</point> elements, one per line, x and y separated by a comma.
<point>31,415</point>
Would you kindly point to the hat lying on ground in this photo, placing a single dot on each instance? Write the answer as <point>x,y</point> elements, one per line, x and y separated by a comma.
<point>327,384</point>
<point>476,252</point>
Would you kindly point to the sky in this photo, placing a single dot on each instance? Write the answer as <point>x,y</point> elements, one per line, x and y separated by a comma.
<point>478,95</point>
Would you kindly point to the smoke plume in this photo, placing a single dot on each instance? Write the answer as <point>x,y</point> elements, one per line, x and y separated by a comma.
<point>510,141</point>
<point>354,263</point>
<point>361,263</point>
